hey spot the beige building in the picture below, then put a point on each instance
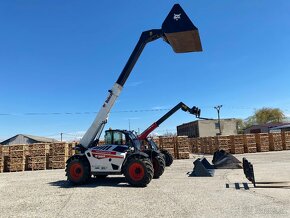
(203, 128)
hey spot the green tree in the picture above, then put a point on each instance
(267, 115)
(240, 126)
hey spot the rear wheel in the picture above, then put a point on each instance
(168, 157)
(158, 165)
(78, 171)
(138, 171)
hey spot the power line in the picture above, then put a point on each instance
(120, 111)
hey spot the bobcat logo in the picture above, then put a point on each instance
(176, 17)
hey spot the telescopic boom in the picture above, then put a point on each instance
(178, 31)
(194, 110)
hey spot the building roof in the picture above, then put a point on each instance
(268, 125)
(35, 138)
(206, 120)
(281, 127)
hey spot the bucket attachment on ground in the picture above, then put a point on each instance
(202, 168)
(249, 171)
(225, 160)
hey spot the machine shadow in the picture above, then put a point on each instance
(282, 185)
(94, 182)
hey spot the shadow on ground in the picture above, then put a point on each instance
(94, 182)
(284, 185)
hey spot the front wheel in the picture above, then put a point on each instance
(78, 171)
(138, 171)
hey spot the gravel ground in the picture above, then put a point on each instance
(48, 194)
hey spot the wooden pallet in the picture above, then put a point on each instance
(275, 142)
(57, 165)
(250, 145)
(237, 144)
(193, 145)
(36, 160)
(262, 142)
(57, 149)
(224, 143)
(285, 140)
(36, 166)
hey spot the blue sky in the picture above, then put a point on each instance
(62, 57)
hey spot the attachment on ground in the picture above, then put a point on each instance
(202, 168)
(249, 171)
(224, 160)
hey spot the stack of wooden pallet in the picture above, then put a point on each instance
(37, 156)
(262, 141)
(275, 142)
(71, 148)
(58, 155)
(237, 144)
(223, 143)
(169, 143)
(16, 160)
(213, 146)
(182, 147)
(193, 145)
(286, 140)
(1, 159)
(205, 145)
(250, 143)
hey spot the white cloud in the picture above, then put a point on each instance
(134, 84)
(159, 107)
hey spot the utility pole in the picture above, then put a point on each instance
(219, 120)
(61, 136)
(129, 125)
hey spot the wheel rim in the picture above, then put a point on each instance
(76, 171)
(136, 171)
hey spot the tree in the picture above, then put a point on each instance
(267, 115)
(240, 126)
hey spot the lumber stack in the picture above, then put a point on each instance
(286, 140)
(182, 147)
(1, 159)
(71, 148)
(58, 155)
(193, 145)
(205, 148)
(224, 143)
(16, 160)
(262, 141)
(212, 143)
(36, 160)
(169, 143)
(250, 143)
(237, 144)
(275, 142)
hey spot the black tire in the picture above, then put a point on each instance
(78, 171)
(168, 157)
(138, 171)
(158, 166)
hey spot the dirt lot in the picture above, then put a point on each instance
(48, 194)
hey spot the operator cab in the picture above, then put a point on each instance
(122, 138)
